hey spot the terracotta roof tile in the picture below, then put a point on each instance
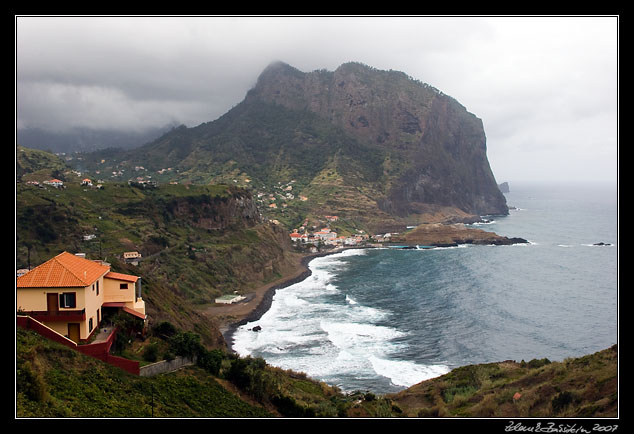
(120, 276)
(64, 270)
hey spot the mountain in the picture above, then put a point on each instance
(433, 151)
(375, 147)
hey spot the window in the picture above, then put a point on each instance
(90, 325)
(123, 286)
(97, 287)
(67, 300)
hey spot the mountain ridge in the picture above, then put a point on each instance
(400, 146)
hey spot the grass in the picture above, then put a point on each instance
(185, 262)
(580, 387)
(55, 381)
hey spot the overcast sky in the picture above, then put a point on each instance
(546, 88)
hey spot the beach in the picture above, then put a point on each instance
(230, 317)
(386, 318)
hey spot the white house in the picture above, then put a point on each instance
(54, 183)
(229, 299)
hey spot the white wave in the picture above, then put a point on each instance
(292, 301)
(350, 300)
(350, 252)
(404, 373)
(358, 336)
(277, 335)
(459, 246)
(488, 222)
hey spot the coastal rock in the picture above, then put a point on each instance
(256, 328)
(443, 235)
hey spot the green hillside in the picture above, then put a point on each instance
(201, 241)
(197, 242)
(576, 387)
(55, 381)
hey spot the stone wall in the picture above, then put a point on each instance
(165, 366)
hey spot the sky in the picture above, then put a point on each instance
(545, 87)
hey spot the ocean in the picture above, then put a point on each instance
(381, 320)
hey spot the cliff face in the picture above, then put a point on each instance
(434, 151)
(216, 212)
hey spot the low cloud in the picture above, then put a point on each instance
(536, 82)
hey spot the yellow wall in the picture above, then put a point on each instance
(34, 299)
(93, 303)
(113, 292)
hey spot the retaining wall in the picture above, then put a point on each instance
(165, 366)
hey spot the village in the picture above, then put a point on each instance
(326, 236)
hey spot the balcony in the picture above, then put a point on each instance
(56, 316)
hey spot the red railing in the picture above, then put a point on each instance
(99, 350)
(53, 316)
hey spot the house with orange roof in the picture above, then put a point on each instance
(68, 293)
(55, 183)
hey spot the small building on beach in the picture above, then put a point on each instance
(229, 299)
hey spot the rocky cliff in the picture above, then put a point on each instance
(216, 212)
(376, 147)
(433, 150)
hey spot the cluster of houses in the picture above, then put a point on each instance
(51, 183)
(57, 183)
(278, 199)
(327, 237)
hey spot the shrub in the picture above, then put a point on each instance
(561, 401)
(186, 344)
(288, 407)
(30, 382)
(538, 363)
(249, 374)
(211, 361)
(165, 328)
(150, 354)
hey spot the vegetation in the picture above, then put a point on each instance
(581, 387)
(197, 242)
(55, 381)
(195, 246)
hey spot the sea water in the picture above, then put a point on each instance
(381, 320)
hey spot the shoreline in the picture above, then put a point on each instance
(267, 298)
